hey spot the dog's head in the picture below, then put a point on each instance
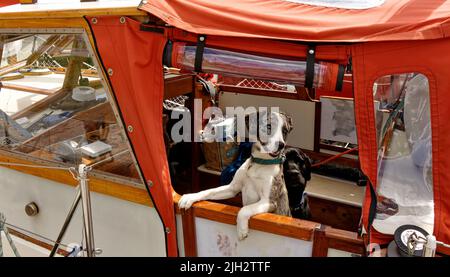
(297, 171)
(297, 167)
(269, 132)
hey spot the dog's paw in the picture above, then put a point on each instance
(187, 200)
(242, 233)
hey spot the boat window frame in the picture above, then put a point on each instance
(425, 72)
(83, 32)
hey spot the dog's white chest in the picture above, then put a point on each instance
(256, 179)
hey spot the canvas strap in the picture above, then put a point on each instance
(310, 63)
(167, 56)
(340, 78)
(199, 53)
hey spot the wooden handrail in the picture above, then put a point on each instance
(267, 222)
(327, 237)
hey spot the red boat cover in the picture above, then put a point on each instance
(135, 58)
(373, 60)
(4, 3)
(282, 19)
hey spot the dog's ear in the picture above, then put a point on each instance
(306, 166)
(290, 154)
(289, 121)
(301, 159)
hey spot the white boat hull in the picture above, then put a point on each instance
(121, 228)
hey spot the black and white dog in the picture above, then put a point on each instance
(260, 178)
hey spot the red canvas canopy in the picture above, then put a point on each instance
(400, 36)
(4, 3)
(286, 20)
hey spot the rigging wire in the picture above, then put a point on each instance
(12, 226)
(35, 166)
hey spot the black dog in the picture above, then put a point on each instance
(297, 172)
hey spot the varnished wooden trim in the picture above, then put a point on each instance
(327, 237)
(124, 191)
(12, 67)
(178, 85)
(189, 233)
(270, 223)
(320, 242)
(49, 22)
(118, 11)
(36, 242)
(345, 241)
(84, 72)
(27, 89)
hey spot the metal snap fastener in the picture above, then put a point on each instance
(31, 209)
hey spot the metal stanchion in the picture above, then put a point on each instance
(87, 209)
(83, 194)
(4, 229)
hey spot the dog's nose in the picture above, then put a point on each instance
(281, 146)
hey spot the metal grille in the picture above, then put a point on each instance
(267, 85)
(174, 103)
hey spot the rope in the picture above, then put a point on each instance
(334, 157)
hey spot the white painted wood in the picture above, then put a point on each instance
(25, 248)
(302, 113)
(220, 240)
(121, 228)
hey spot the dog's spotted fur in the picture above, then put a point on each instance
(262, 185)
(279, 196)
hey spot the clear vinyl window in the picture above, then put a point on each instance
(405, 181)
(54, 108)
